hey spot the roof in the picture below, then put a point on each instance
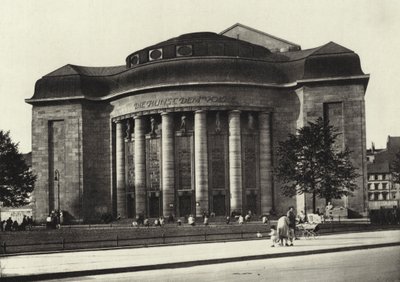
(89, 71)
(380, 163)
(252, 35)
(384, 158)
(206, 58)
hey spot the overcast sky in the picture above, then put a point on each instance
(37, 37)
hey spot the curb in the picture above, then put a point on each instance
(72, 274)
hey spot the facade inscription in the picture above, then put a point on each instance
(169, 102)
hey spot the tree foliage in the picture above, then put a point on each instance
(16, 180)
(395, 168)
(308, 162)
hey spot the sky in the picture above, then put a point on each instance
(37, 37)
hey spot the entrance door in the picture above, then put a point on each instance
(154, 206)
(130, 205)
(185, 205)
(251, 201)
(219, 205)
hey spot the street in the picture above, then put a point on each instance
(242, 260)
(361, 265)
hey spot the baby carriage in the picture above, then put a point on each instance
(310, 229)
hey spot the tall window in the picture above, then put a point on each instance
(333, 112)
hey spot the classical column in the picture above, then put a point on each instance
(235, 161)
(265, 163)
(140, 166)
(120, 169)
(201, 162)
(168, 163)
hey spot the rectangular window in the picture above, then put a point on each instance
(333, 112)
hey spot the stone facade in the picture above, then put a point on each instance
(382, 190)
(57, 145)
(188, 126)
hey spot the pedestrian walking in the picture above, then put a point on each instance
(292, 224)
(283, 230)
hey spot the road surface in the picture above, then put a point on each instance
(361, 265)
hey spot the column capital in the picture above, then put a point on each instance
(200, 111)
(165, 113)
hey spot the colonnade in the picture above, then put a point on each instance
(201, 189)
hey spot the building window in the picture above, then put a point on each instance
(135, 59)
(334, 113)
(370, 187)
(376, 186)
(184, 50)
(384, 177)
(393, 195)
(155, 54)
(376, 177)
(386, 196)
(384, 185)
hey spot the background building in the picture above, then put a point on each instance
(382, 191)
(190, 125)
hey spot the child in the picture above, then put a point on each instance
(274, 236)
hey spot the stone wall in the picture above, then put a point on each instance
(97, 180)
(284, 122)
(56, 144)
(351, 95)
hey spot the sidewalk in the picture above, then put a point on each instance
(74, 264)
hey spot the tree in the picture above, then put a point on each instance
(308, 162)
(395, 168)
(16, 180)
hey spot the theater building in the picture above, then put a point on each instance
(189, 125)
